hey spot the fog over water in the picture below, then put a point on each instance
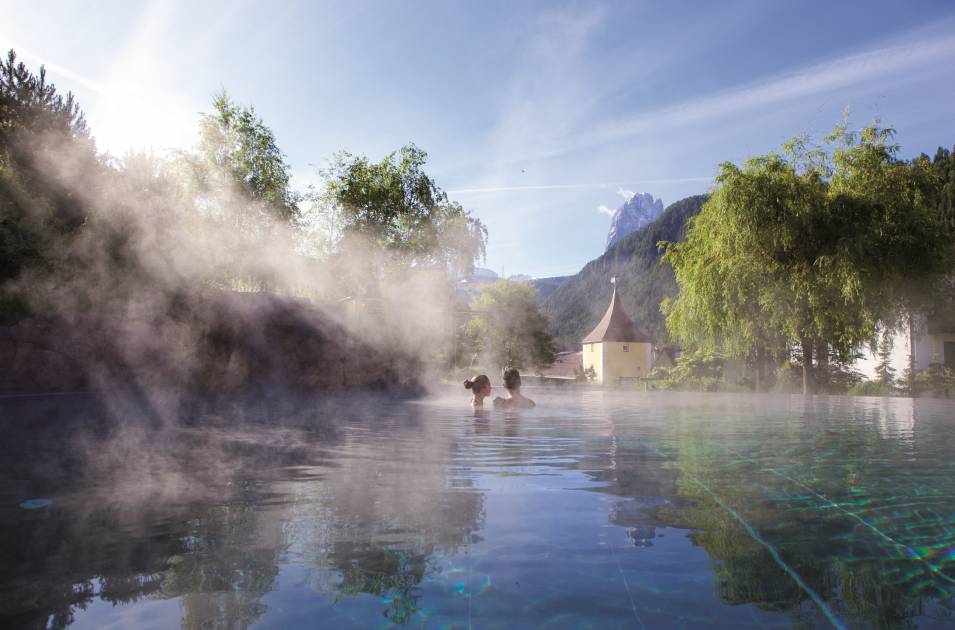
(224, 402)
(613, 509)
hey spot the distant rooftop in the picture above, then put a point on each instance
(565, 365)
(616, 325)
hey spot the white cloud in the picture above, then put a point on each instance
(873, 66)
(627, 195)
(826, 77)
(605, 210)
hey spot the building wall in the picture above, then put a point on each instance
(611, 363)
(635, 363)
(593, 357)
(931, 349)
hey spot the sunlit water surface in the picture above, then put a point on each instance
(595, 510)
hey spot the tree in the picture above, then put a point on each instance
(239, 171)
(396, 215)
(701, 370)
(936, 380)
(721, 296)
(40, 130)
(760, 276)
(935, 294)
(238, 181)
(884, 372)
(509, 329)
(910, 255)
(811, 246)
(45, 147)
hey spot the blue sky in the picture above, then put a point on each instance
(535, 114)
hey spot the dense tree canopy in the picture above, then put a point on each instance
(227, 206)
(44, 143)
(816, 246)
(238, 173)
(394, 207)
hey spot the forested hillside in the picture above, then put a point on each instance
(546, 286)
(578, 303)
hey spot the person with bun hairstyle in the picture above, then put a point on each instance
(480, 387)
(515, 400)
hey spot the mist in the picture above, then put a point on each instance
(155, 282)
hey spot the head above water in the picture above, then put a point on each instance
(478, 384)
(512, 378)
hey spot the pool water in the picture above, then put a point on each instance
(598, 509)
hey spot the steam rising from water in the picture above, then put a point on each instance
(175, 288)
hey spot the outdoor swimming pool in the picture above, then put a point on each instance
(595, 510)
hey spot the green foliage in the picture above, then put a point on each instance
(700, 370)
(942, 196)
(904, 236)
(811, 246)
(239, 157)
(871, 388)
(43, 138)
(76, 220)
(837, 376)
(238, 182)
(509, 328)
(885, 373)
(397, 210)
(29, 103)
(695, 366)
(938, 381)
(576, 306)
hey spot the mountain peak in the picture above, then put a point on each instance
(637, 212)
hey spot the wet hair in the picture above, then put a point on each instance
(479, 382)
(512, 378)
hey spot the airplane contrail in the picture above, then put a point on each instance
(494, 189)
(58, 70)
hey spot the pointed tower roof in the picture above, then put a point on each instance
(616, 325)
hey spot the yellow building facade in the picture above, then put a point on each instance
(617, 350)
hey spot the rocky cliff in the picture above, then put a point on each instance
(638, 212)
(209, 342)
(577, 304)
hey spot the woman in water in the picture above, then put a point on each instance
(515, 399)
(480, 387)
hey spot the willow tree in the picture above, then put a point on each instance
(722, 292)
(761, 265)
(910, 231)
(809, 246)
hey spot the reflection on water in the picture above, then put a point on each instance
(594, 510)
